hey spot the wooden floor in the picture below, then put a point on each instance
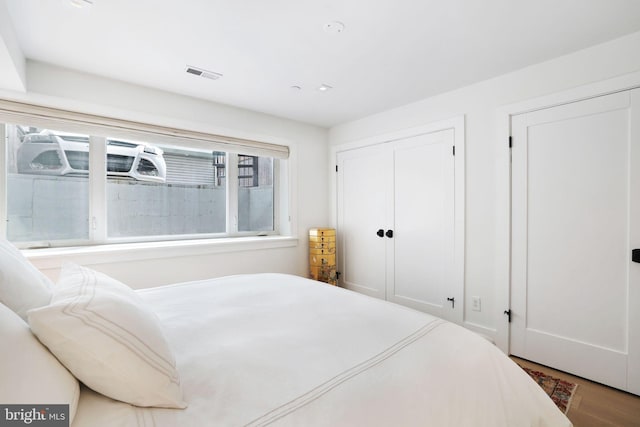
(594, 404)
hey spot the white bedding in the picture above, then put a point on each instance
(274, 349)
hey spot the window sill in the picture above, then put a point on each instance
(125, 252)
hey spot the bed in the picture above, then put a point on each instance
(281, 350)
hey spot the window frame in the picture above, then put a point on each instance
(102, 128)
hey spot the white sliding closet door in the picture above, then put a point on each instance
(575, 292)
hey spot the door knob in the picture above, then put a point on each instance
(380, 233)
(389, 233)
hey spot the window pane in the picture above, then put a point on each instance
(156, 190)
(47, 184)
(255, 193)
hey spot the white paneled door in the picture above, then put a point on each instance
(421, 265)
(396, 222)
(363, 219)
(575, 291)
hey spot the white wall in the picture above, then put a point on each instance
(12, 60)
(479, 104)
(62, 88)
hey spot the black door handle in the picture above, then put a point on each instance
(380, 233)
(635, 255)
(389, 233)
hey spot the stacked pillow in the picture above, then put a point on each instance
(22, 286)
(97, 327)
(30, 373)
(103, 333)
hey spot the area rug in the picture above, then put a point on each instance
(559, 391)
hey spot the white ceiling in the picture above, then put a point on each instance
(392, 52)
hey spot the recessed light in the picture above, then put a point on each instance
(81, 3)
(324, 88)
(335, 27)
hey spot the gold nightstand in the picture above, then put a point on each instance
(322, 255)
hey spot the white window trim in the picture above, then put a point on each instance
(51, 258)
(232, 196)
(98, 190)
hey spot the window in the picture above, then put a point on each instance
(255, 193)
(178, 192)
(82, 188)
(47, 185)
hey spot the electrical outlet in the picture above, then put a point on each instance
(475, 303)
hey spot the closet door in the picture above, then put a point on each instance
(575, 296)
(363, 179)
(421, 264)
(396, 223)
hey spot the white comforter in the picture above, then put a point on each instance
(274, 349)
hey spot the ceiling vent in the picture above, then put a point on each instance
(203, 73)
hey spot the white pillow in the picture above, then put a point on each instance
(28, 372)
(103, 333)
(22, 286)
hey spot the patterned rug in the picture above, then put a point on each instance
(559, 391)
